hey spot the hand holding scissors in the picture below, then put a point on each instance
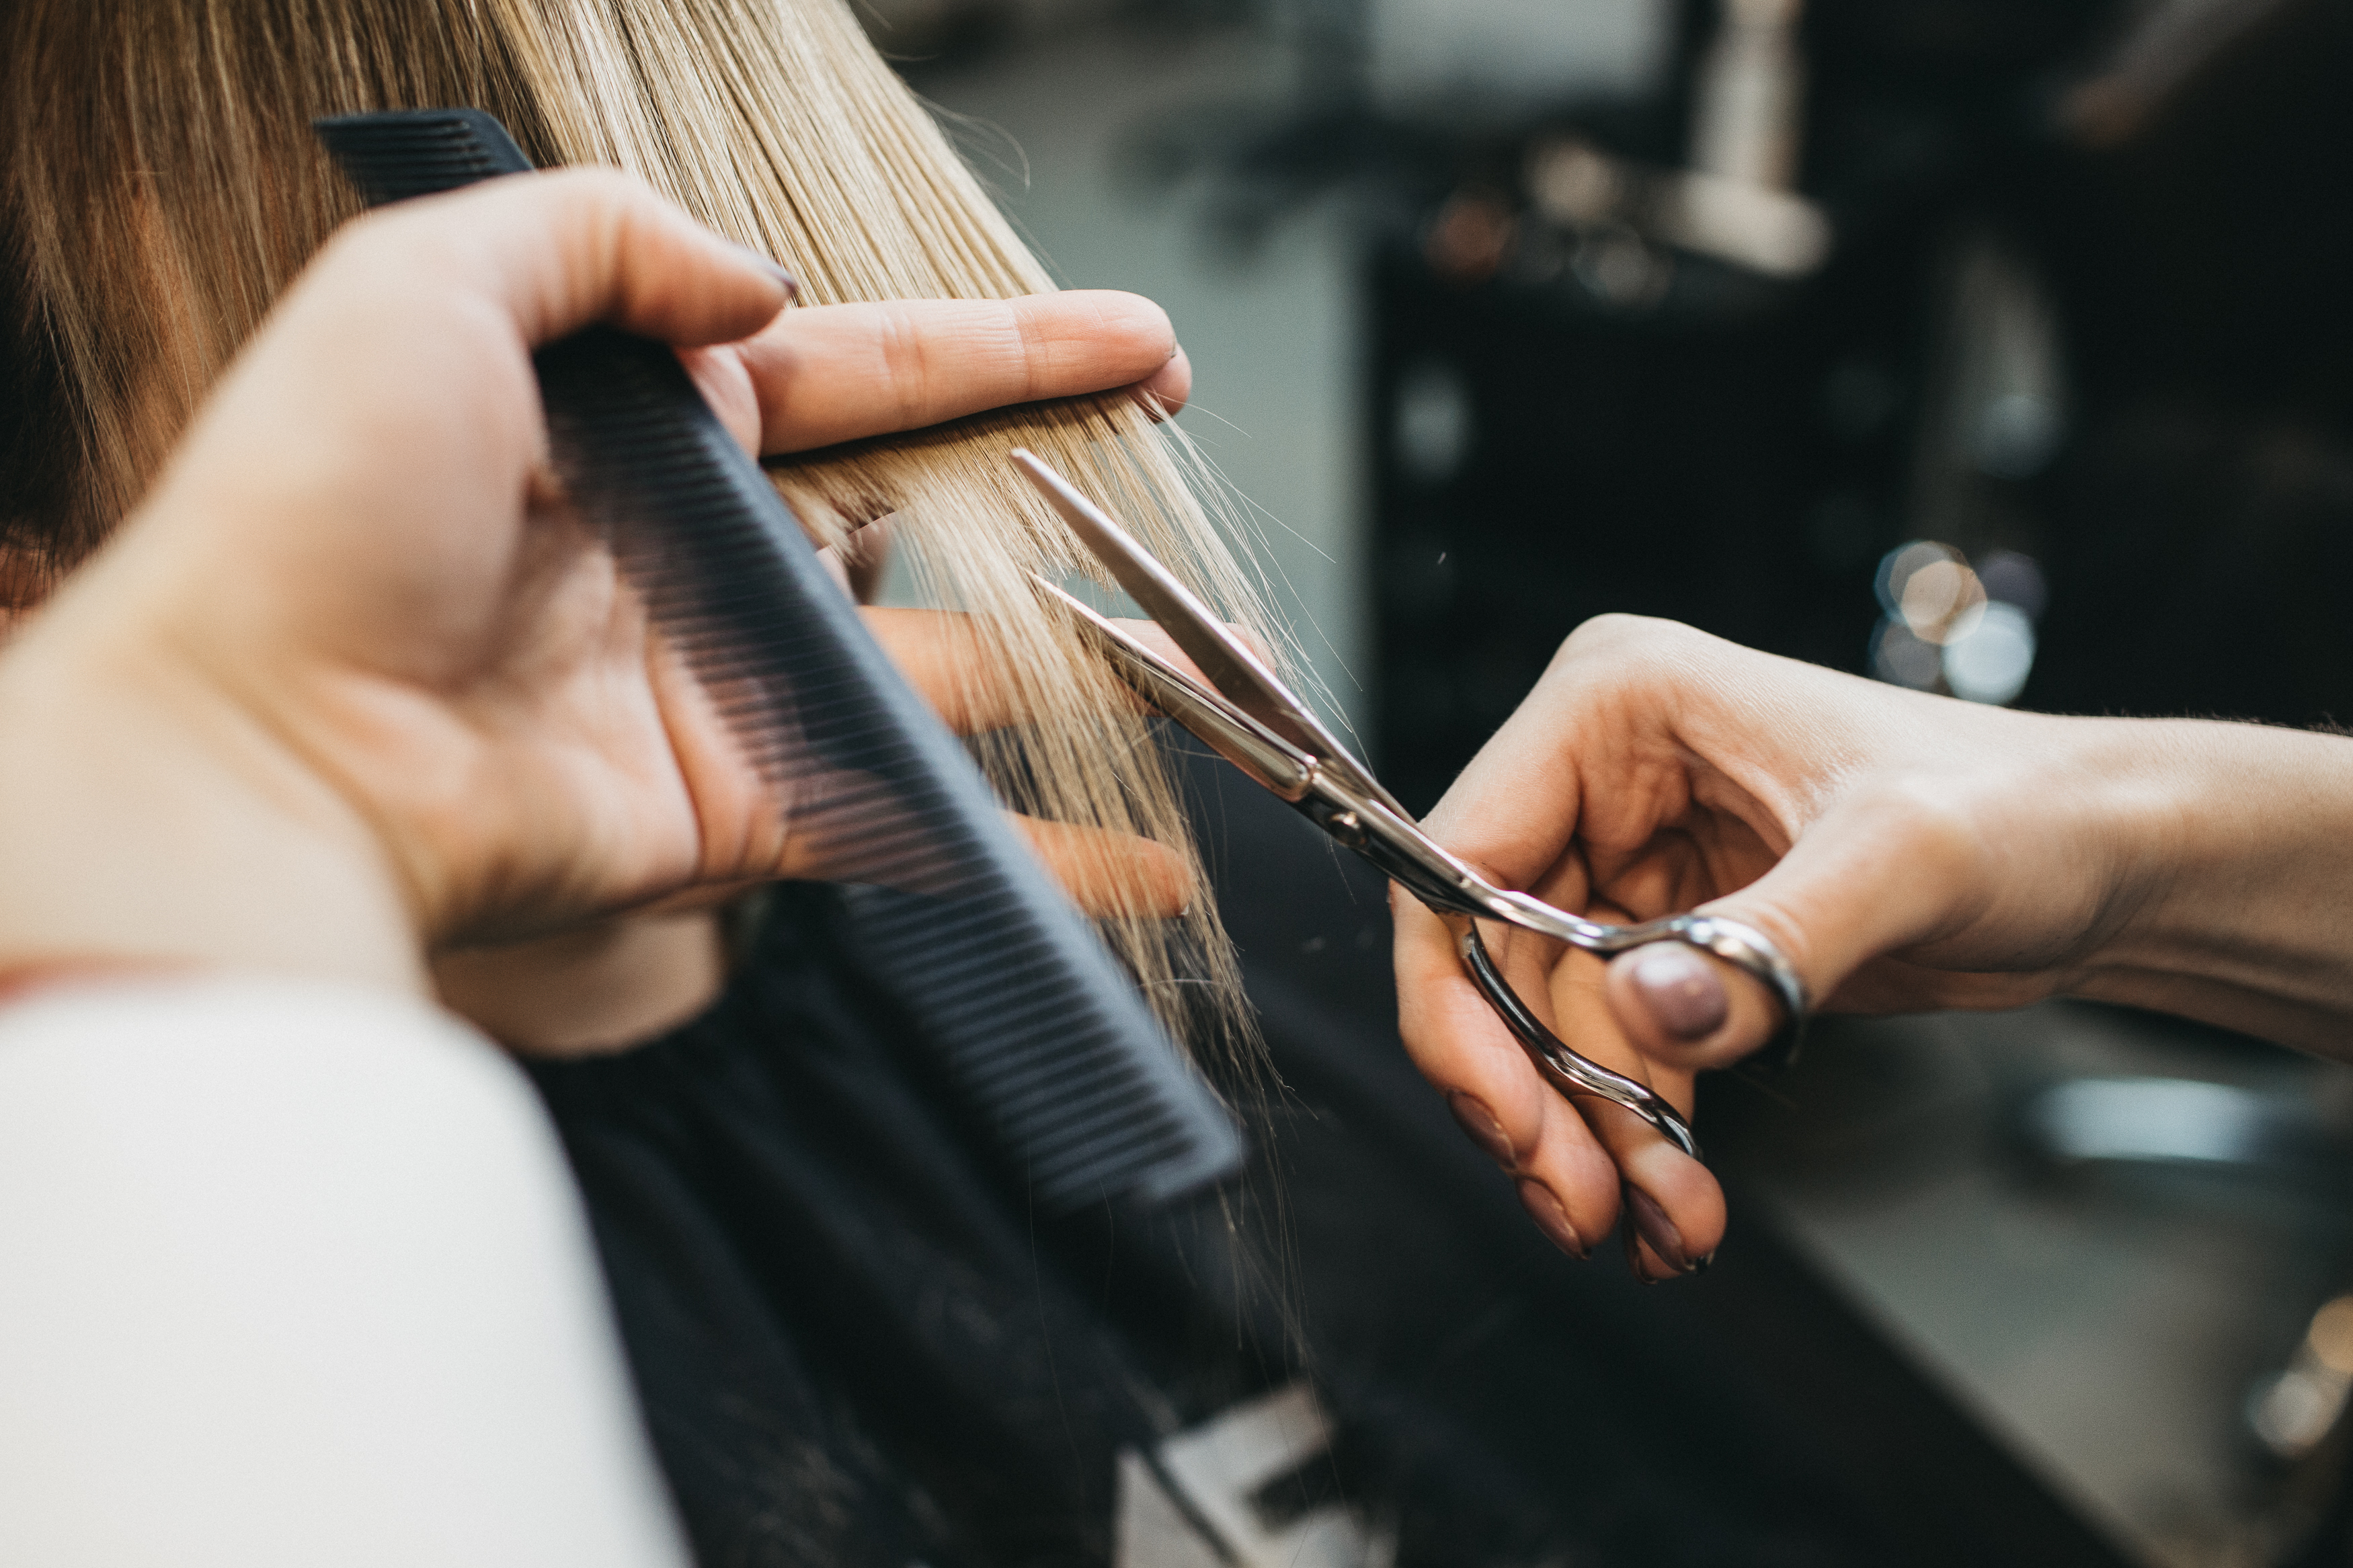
(1246, 715)
(1906, 852)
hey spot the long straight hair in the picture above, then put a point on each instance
(163, 186)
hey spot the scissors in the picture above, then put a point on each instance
(1252, 721)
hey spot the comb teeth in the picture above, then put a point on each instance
(1087, 1098)
(1034, 1028)
(420, 151)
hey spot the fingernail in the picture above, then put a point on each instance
(1552, 1219)
(1634, 1261)
(1682, 991)
(792, 285)
(1659, 1231)
(1473, 1115)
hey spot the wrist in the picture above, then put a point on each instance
(147, 823)
(2233, 845)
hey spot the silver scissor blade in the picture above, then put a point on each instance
(1233, 734)
(1208, 641)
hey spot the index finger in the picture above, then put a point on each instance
(829, 374)
(1593, 755)
(1514, 810)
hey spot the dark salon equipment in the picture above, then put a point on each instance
(2077, 312)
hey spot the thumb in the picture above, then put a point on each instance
(1870, 876)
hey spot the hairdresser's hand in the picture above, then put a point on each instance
(352, 682)
(1906, 851)
(831, 373)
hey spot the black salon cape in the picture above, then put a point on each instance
(854, 1344)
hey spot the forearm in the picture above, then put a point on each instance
(2234, 851)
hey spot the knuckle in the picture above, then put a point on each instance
(1645, 638)
(597, 182)
(905, 360)
(611, 205)
(1033, 346)
(1625, 653)
(1611, 626)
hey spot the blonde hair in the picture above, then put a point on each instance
(163, 185)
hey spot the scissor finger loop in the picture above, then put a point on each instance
(1576, 1076)
(1737, 944)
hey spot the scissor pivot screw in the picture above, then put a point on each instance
(1344, 826)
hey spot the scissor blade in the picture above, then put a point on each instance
(1228, 662)
(1234, 735)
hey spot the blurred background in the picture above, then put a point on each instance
(2001, 348)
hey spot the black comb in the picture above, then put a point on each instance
(1034, 1027)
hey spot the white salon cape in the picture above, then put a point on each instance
(295, 1274)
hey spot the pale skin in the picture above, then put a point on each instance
(326, 706)
(810, 378)
(1908, 852)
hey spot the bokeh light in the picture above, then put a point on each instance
(1991, 662)
(1953, 628)
(1929, 586)
(1901, 658)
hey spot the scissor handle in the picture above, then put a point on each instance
(1576, 1076)
(1449, 886)
(1741, 945)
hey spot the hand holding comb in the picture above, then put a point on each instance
(1033, 1027)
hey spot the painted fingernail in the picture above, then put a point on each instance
(1682, 991)
(1657, 1229)
(1475, 1119)
(1636, 1264)
(1552, 1219)
(792, 285)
